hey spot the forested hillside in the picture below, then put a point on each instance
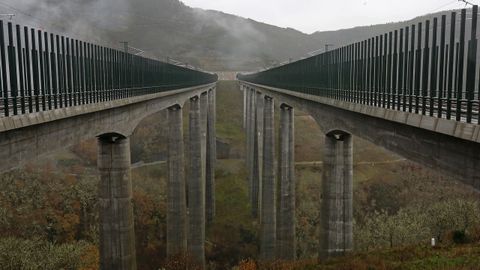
(167, 28)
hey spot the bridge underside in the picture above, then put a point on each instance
(419, 138)
(28, 137)
(445, 145)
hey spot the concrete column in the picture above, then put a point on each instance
(258, 154)
(203, 125)
(247, 128)
(176, 198)
(337, 193)
(286, 216)
(348, 191)
(339, 203)
(243, 89)
(251, 142)
(196, 186)
(211, 157)
(117, 235)
(328, 199)
(268, 219)
(247, 142)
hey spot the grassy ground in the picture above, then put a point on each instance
(230, 116)
(407, 258)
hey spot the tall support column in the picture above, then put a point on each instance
(211, 157)
(348, 191)
(286, 216)
(337, 193)
(244, 91)
(203, 128)
(328, 199)
(268, 211)
(196, 186)
(117, 235)
(247, 137)
(258, 154)
(247, 126)
(176, 197)
(251, 143)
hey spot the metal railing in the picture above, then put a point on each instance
(42, 71)
(421, 68)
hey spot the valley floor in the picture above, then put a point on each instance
(453, 257)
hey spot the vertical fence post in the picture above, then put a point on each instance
(442, 72)
(6, 104)
(75, 72)
(396, 67)
(471, 65)
(69, 83)
(451, 64)
(386, 69)
(460, 66)
(418, 68)
(434, 68)
(42, 58)
(50, 82)
(28, 70)
(425, 67)
(56, 87)
(36, 72)
(21, 77)
(400, 84)
(12, 69)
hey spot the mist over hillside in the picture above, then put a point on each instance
(165, 29)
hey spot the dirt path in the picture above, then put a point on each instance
(142, 164)
(372, 163)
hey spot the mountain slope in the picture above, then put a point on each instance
(168, 28)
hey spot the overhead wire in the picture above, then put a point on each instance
(445, 5)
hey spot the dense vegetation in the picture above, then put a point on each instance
(48, 216)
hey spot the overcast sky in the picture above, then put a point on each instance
(319, 15)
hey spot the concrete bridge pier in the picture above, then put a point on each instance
(117, 236)
(176, 194)
(286, 215)
(257, 154)
(336, 215)
(203, 129)
(211, 157)
(251, 147)
(243, 88)
(268, 202)
(246, 112)
(247, 127)
(196, 186)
